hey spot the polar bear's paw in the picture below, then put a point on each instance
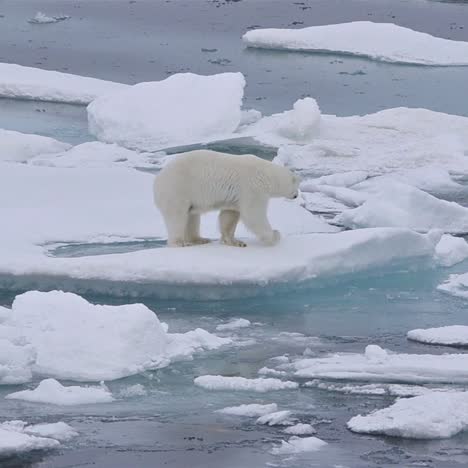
(198, 241)
(233, 242)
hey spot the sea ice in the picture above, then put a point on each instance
(218, 382)
(298, 445)
(377, 364)
(163, 114)
(385, 42)
(234, 324)
(300, 429)
(53, 392)
(454, 335)
(451, 250)
(42, 18)
(21, 82)
(278, 418)
(250, 410)
(16, 359)
(436, 415)
(21, 147)
(456, 285)
(59, 431)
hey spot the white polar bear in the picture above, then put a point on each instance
(239, 186)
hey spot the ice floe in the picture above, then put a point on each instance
(278, 418)
(234, 324)
(436, 415)
(53, 392)
(21, 147)
(249, 410)
(296, 445)
(300, 429)
(385, 42)
(219, 382)
(59, 430)
(21, 82)
(451, 250)
(42, 18)
(163, 114)
(453, 335)
(377, 364)
(456, 285)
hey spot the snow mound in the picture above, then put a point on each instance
(21, 82)
(455, 335)
(436, 415)
(180, 110)
(234, 324)
(278, 418)
(391, 140)
(393, 204)
(218, 382)
(451, 250)
(53, 392)
(252, 410)
(42, 18)
(21, 147)
(298, 445)
(456, 285)
(300, 429)
(377, 364)
(384, 42)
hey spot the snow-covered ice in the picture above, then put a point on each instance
(163, 114)
(436, 415)
(455, 285)
(42, 18)
(59, 431)
(451, 250)
(16, 359)
(234, 324)
(21, 147)
(53, 392)
(453, 335)
(249, 410)
(385, 42)
(278, 418)
(298, 445)
(377, 364)
(300, 429)
(219, 382)
(21, 82)
(132, 391)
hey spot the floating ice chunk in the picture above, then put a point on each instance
(391, 140)
(400, 205)
(375, 365)
(59, 431)
(268, 371)
(97, 154)
(53, 392)
(21, 82)
(278, 418)
(20, 147)
(436, 415)
(234, 324)
(250, 116)
(42, 18)
(133, 391)
(366, 39)
(299, 125)
(15, 358)
(455, 335)
(298, 445)
(157, 115)
(451, 250)
(14, 440)
(252, 410)
(300, 429)
(456, 285)
(218, 382)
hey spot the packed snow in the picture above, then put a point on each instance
(455, 285)
(300, 429)
(219, 382)
(21, 82)
(162, 114)
(53, 392)
(250, 410)
(21, 147)
(234, 324)
(436, 415)
(384, 42)
(62, 335)
(451, 250)
(377, 364)
(454, 335)
(42, 18)
(297, 445)
(278, 418)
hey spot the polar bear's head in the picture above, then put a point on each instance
(288, 183)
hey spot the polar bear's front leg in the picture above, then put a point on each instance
(253, 214)
(192, 232)
(228, 220)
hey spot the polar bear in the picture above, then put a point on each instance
(238, 186)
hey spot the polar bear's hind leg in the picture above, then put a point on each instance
(228, 220)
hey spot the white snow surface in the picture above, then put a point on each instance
(21, 147)
(385, 42)
(234, 324)
(300, 429)
(53, 392)
(436, 415)
(278, 418)
(451, 250)
(183, 109)
(249, 410)
(298, 445)
(455, 285)
(219, 382)
(61, 335)
(379, 365)
(59, 431)
(21, 82)
(453, 335)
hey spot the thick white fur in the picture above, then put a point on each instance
(238, 186)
